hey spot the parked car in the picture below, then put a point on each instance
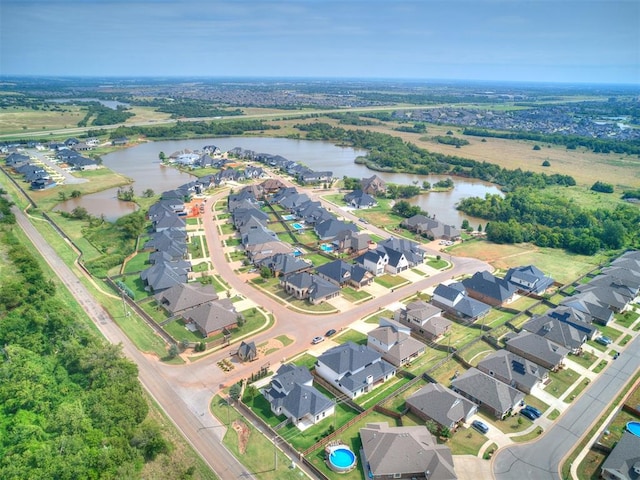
(533, 410)
(528, 413)
(317, 340)
(604, 341)
(330, 333)
(480, 426)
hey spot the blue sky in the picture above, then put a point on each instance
(586, 41)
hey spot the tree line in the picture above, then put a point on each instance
(552, 221)
(596, 145)
(192, 129)
(392, 154)
(71, 406)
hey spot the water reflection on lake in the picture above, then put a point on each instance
(141, 163)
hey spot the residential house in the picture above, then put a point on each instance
(285, 264)
(557, 331)
(169, 220)
(442, 405)
(374, 261)
(431, 228)
(330, 229)
(395, 343)
(373, 185)
(119, 141)
(409, 452)
(601, 301)
(453, 299)
(354, 369)
(272, 185)
(161, 276)
(292, 394)
(351, 242)
(538, 349)
(358, 199)
(529, 279)
(311, 177)
(414, 254)
(489, 289)
(623, 463)
(514, 370)
(184, 296)
(305, 286)
(341, 273)
(424, 319)
(492, 395)
(247, 352)
(579, 319)
(42, 184)
(213, 317)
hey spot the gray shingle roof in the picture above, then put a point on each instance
(441, 404)
(494, 393)
(405, 450)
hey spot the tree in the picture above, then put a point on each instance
(62, 196)
(536, 147)
(148, 193)
(480, 228)
(76, 194)
(546, 163)
(162, 156)
(235, 390)
(465, 224)
(173, 351)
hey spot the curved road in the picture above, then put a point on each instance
(185, 391)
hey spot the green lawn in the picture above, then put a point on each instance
(586, 359)
(523, 303)
(390, 281)
(305, 360)
(466, 441)
(447, 371)
(381, 392)
(354, 295)
(608, 331)
(426, 361)
(495, 318)
(375, 318)
(459, 335)
(350, 335)
(512, 424)
(477, 352)
(437, 264)
(398, 403)
(138, 263)
(561, 381)
(627, 318)
(350, 437)
(179, 332)
(136, 285)
(259, 456)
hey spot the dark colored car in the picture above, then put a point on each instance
(330, 333)
(480, 426)
(528, 413)
(604, 341)
(534, 410)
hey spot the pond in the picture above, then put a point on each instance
(142, 164)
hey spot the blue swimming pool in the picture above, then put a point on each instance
(341, 459)
(297, 226)
(288, 217)
(325, 247)
(634, 427)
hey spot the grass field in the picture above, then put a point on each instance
(562, 266)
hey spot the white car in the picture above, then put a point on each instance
(317, 340)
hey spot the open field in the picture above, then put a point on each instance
(22, 119)
(585, 166)
(562, 266)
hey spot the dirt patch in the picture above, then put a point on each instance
(242, 430)
(270, 346)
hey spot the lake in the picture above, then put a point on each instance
(142, 164)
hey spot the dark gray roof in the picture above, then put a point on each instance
(557, 331)
(488, 390)
(348, 357)
(337, 271)
(406, 451)
(304, 400)
(529, 278)
(288, 376)
(285, 263)
(489, 285)
(441, 404)
(513, 368)
(185, 295)
(624, 459)
(538, 347)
